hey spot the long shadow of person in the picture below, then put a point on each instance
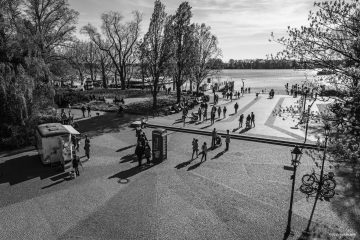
(128, 158)
(244, 130)
(126, 174)
(183, 164)
(218, 155)
(194, 166)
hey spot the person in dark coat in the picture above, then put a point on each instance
(236, 106)
(83, 109)
(87, 147)
(147, 152)
(139, 151)
(241, 120)
(252, 119)
(89, 111)
(219, 111)
(213, 138)
(75, 163)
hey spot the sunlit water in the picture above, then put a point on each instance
(265, 79)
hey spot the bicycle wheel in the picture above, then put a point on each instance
(308, 179)
(306, 189)
(329, 184)
(327, 193)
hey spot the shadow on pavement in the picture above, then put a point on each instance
(194, 166)
(24, 168)
(126, 174)
(107, 123)
(125, 148)
(244, 130)
(127, 158)
(219, 154)
(183, 164)
(206, 126)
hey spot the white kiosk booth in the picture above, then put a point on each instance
(53, 141)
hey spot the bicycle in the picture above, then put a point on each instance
(311, 184)
(328, 180)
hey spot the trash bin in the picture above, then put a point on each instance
(159, 145)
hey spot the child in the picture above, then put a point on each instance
(147, 152)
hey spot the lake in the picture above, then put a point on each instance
(258, 79)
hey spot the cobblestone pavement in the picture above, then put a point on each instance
(239, 194)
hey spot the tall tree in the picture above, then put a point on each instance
(48, 24)
(181, 31)
(332, 41)
(156, 47)
(205, 48)
(121, 38)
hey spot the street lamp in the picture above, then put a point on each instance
(296, 154)
(327, 130)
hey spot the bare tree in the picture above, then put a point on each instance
(205, 49)
(181, 32)
(156, 50)
(121, 38)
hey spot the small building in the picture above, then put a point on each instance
(53, 142)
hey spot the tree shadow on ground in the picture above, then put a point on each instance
(127, 158)
(219, 155)
(125, 148)
(183, 164)
(232, 114)
(126, 174)
(24, 168)
(347, 205)
(107, 123)
(194, 166)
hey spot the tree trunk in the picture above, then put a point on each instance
(191, 85)
(155, 92)
(197, 87)
(103, 73)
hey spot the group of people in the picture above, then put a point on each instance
(67, 119)
(250, 120)
(215, 141)
(142, 147)
(83, 109)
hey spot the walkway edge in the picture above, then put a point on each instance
(238, 137)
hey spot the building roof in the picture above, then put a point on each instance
(52, 129)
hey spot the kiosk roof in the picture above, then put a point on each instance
(52, 129)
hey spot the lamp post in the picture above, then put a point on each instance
(296, 154)
(318, 192)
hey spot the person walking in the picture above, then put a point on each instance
(224, 111)
(87, 147)
(195, 147)
(236, 106)
(184, 119)
(227, 140)
(212, 117)
(213, 138)
(219, 112)
(241, 120)
(231, 96)
(83, 109)
(199, 114)
(248, 120)
(147, 152)
(75, 164)
(205, 115)
(252, 119)
(89, 111)
(204, 151)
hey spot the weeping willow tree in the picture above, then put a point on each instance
(31, 31)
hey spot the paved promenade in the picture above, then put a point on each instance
(267, 123)
(239, 194)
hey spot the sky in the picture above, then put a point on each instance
(243, 27)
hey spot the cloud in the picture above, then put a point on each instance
(243, 27)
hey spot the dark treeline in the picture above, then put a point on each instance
(263, 64)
